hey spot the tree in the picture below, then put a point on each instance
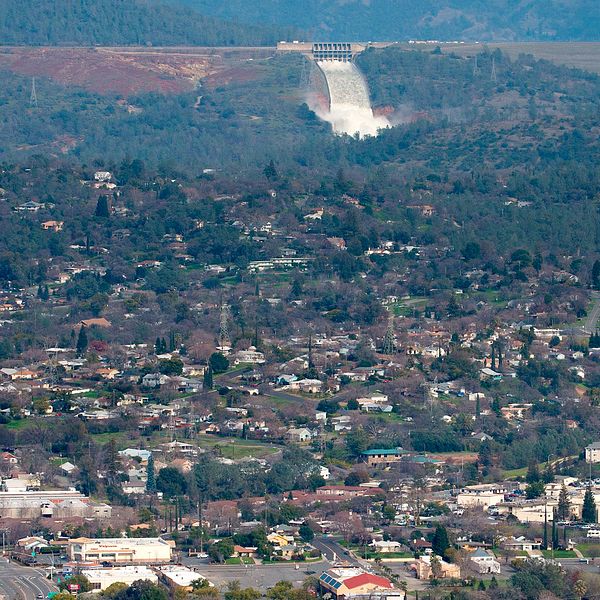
(596, 275)
(440, 542)
(218, 362)
(142, 590)
(208, 378)
(171, 482)
(151, 477)
(80, 580)
(103, 207)
(563, 509)
(306, 533)
(270, 171)
(82, 341)
(533, 473)
(588, 512)
(171, 366)
(222, 550)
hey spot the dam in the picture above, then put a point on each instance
(349, 106)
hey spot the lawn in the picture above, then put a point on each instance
(19, 424)
(589, 550)
(559, 554)
(235, 448)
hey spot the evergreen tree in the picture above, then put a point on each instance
(493, 583)
(596, 275)
(563, 510)
(157, 346)
(208, 378)
(477, 407)
(440, 542)
(82, 341)
(588, 512)
(270, 171)
(151, 477)
(103, 207)
(533, 473)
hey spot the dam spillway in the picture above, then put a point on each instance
(349, 103)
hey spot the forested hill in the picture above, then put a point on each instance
(123, 22)
(486, 20)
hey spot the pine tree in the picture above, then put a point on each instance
(103, 207)
(270, 171)
(440, 542)
(208, 379)
(533, 473)
(477, 407)
(157, 346)
(588, 512)
(493, 583)
(151, 477)
(82, 341)
(563, 510)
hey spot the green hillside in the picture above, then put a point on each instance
(421, 19)
(121, 22)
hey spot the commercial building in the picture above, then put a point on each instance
(49, 504)
(121, 550)
(100, 579)
(178, 577)
(344, 583)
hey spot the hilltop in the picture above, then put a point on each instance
(495, 20)
(122, 22)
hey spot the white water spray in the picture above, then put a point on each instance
(350, 108)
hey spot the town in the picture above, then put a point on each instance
(274, 389)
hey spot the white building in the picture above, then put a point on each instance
(252, 355)
(120, 550)
(176, 576)
(484, 562)
(592, 453)
(100, 579)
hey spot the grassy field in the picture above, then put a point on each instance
(559, 554)
(581, 55)
(238, 449)
(589, 550)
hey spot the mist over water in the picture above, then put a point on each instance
(350, 109)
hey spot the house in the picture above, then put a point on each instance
(134, 487)
(52, 225)
(426, 565)
(68, 467)
(592, 453)
(308, 386)
(351, 582)
(154, 380)
(252, 356)
(484, 562)
(520, 544)
(96, 322)
(102, 176)
(299, 435)
(385, 547)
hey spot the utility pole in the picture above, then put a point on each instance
(493, 75)
(33, 101)
(389, 340)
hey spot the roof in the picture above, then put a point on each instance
(365, 578)
(376, 451)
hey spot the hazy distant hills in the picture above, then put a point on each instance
(122, 22)
(497, 20)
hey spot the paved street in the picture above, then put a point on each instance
(22, 583)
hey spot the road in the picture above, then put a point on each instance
(23, 583)
(591, 321)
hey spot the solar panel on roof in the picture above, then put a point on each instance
(337, 584)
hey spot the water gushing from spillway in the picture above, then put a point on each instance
(350, 108)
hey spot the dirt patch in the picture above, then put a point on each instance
(105, 70)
